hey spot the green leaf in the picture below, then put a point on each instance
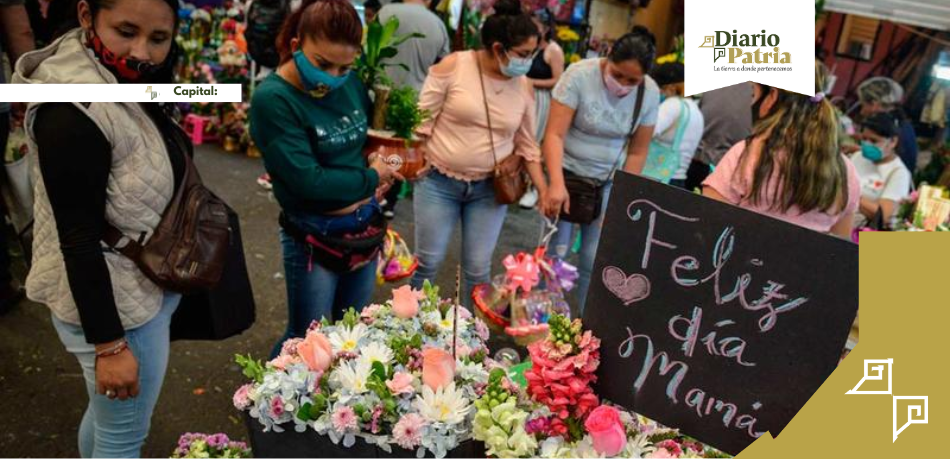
(304, 412)
(389, 29)
(379, 370)
(403, 38)
(388, 53)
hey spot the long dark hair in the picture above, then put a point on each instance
(333, 20)
(801, 149)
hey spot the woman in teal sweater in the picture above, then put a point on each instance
(309, 118)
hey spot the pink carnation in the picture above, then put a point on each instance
(344, 419)
(671, 449)
(407, 433)
(241, 397)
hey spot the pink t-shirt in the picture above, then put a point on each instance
(457, 140)
(735, 187)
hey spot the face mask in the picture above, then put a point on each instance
(317, 82)
(615, 88)
(871, 152)
(662, 97)
(126, 69)
(517, 66)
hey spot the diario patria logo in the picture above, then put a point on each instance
(760, 48)
(731, 42)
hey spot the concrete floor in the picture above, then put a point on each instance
(43, 394)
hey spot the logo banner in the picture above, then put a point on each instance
(766, 41)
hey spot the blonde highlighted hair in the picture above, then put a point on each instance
(801, 150)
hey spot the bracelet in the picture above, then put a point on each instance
(116, 349)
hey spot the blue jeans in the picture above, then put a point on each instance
(439, 202)
(590, 237)
(314, 292)
(115, 428)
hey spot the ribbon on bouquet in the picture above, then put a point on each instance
(523, 271)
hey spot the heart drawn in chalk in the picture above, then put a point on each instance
(629, 289)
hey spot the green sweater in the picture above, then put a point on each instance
(313, 148)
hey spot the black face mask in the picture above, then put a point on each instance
(757, 105)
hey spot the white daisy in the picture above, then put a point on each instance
(348, 339)
(352, 376)
(376, 352)
(446, 405)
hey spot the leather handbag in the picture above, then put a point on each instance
(509, 181)
(189, 247)
(587, 194)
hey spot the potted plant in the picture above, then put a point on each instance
(398, 143)
(380, 47)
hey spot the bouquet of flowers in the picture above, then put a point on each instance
(559, 415)
(404, 374)
(926, 209)
(204, 445)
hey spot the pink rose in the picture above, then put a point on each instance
(242, 398)
(400, 384)
(606, 430)
(316, 352)
(281, 362)
(667, 449)
(438, 368)
(405, 302)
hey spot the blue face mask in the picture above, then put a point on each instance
(517, 66)
(317, 82)
(662, 97)
(872, 152)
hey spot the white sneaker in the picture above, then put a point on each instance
(530, 199)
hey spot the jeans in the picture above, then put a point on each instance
(314, 292)
(115, 428)
(590, 237)
(439, 202)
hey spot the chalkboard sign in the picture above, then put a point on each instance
(715, 320)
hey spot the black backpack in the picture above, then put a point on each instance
(264, 21)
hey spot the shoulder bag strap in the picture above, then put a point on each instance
(634, 123)
(491, 135)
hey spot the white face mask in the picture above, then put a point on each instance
(615, 88)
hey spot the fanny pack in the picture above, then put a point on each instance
(341, 252)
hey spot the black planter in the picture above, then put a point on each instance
(290, 443)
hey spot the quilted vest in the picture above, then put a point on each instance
(141, 184)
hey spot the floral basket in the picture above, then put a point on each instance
(396, 261)
(397, 376)
(520, 302)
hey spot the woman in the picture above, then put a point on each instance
(885, 180)
(884, 95)
(309, 118)
(679, 128)
(790, 168)
(592, 132)
(546, 69)
(465, 93)
(99, 164)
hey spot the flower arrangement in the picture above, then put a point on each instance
(676, 55)
(403, 374)
(558, 415)
(204, 445)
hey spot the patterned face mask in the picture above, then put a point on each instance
(126, 69)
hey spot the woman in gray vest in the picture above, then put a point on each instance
(99, 164)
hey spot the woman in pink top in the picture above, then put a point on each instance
(462, 153)
(790, 168)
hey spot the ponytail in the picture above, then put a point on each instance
(332, 20)
(801, 150)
